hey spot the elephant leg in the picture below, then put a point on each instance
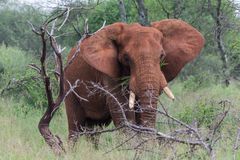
(119, 110)
(76, 118)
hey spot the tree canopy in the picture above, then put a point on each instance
(215, 19)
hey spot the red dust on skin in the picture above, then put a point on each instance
(128, 50)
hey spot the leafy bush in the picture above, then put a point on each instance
(202, 73)
(14, 29)
(18, 80)
(198, 81)
(1, 68)
(203, 113)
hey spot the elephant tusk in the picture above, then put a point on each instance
(131, 100)
(169, 93)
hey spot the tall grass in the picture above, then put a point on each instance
(20, 139)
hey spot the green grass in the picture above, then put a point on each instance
(20, 139)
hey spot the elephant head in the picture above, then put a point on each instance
(131, 49)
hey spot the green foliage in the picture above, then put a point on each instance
(1, 69)
(203, 72)
(203, 113)
(233, 39)
(108, 12)
(14, 29)
(124, 81)
(198, 81)
(18, 80)
(14, 61)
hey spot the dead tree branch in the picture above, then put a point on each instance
(53, 104)
(52, 140)
(199, 140)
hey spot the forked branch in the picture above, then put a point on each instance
(53, 104)
(52, 140)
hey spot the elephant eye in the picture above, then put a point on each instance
(126, 59)
(162, 55)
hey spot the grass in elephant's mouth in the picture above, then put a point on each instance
(124, 81)
(20, 139)
(162, 63)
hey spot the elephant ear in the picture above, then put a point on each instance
(100, 51)
(181, 43)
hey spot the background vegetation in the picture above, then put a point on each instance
(213, 77)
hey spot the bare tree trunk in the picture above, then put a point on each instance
(217, 16)
(142, 13)
(122, 11)
(220, 43)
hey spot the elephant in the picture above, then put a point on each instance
(132, 50)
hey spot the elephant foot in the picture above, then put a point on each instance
(72, 140)
(94, 139)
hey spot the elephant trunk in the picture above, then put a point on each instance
(148, 82)
(148, 101)
(150, 86)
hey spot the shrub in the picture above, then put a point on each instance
(202, 73)
(1, 69)
(203, 113)
(18, 80)
(197, 81)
